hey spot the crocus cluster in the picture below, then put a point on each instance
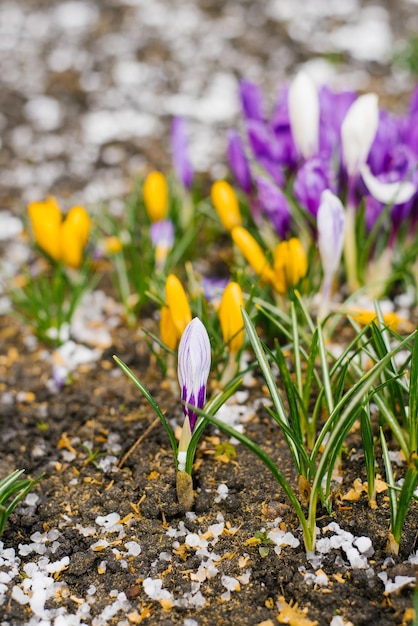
(289, 257)
(63, 240)
(316, 140)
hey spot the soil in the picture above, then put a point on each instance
(46, 432)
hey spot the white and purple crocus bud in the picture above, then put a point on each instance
(331, 226)
(194, 358)
(358, 131)
(179, 148)
(304, 115)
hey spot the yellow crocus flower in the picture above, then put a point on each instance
(63, 241)
(155, 194)
(252, 253)
(290, 264)
(177, 303)
(45, 218)
(226, 204)
(230, 317)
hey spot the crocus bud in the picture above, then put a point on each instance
(251, 100)
(331, 226)
(290, 264)
(194, 360)
(239, 162)
(176, 301)
(358, 131)
(230, 317)
(252, 253)
(179, 148)
(274, 205)
(304, 115)
(226, 204)
(45, 218)
(155, 194)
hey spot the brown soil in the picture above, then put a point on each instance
(43, 431)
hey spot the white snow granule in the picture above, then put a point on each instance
(133, 548)
(194, 541)
(222, 491)
(58, 566)
(19, 595)
(398, 583)
(153, 589)
(364, 545)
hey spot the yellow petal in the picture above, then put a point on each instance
(177, 302)
(393, 320)
(230, 316)
(71, 245)
(45, 218)
(168, 332)
(290, 264)
(155, 194)
(252, 253)
(226, 204)
(79, 220)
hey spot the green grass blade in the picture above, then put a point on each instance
(369, 452)
(393, 499)
(270, 382)
(412, 420)
(404, 502)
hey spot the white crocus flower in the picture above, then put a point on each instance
(358, 131)
(397, 192)
(331, 226)
(193, 370)
(304, 114)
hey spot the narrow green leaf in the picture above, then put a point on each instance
(413, 399)
(393, 499)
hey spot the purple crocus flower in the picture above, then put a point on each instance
(262, 141)
(238, 161)
(194, 360)
(251, 100)
(280, 125)
(310, 181)
(333, 108)
(274, 204)
(179, 147)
